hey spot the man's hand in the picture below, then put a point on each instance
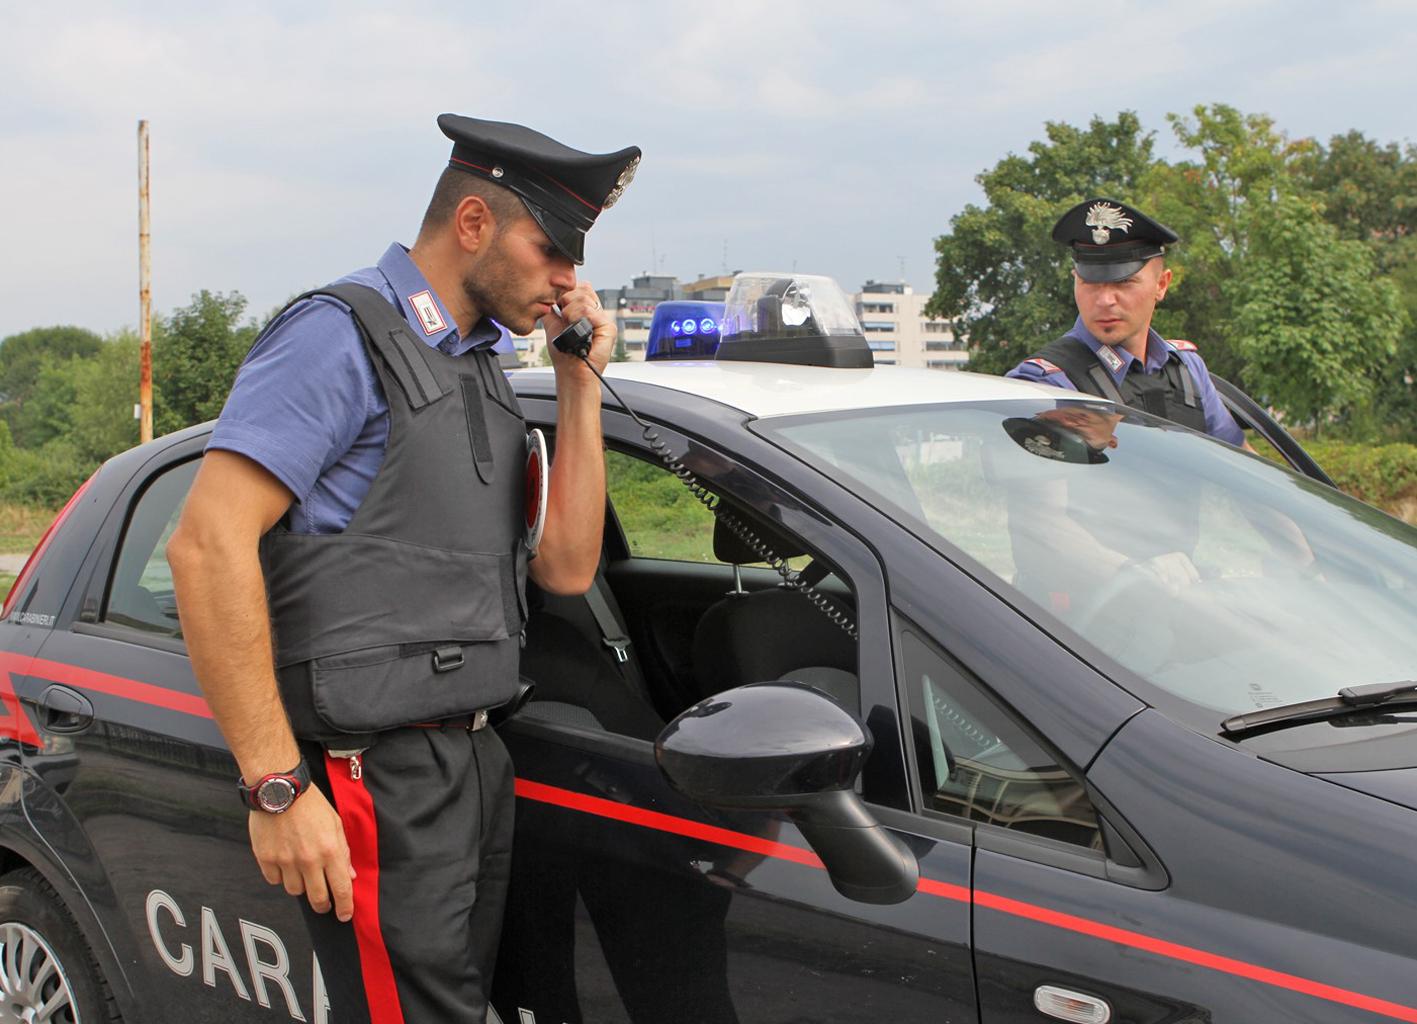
(1174, 569)
(304, 850)
(581, 301)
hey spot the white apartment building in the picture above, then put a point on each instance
(899, 332)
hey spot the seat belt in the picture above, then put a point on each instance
(612, 634)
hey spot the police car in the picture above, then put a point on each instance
(940, 697)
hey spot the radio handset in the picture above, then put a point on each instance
(575, 339)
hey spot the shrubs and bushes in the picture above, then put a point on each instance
(1382, 475)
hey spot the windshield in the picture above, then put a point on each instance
(1218, 576)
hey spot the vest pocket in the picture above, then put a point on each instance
(406, 684)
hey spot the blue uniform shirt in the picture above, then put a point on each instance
(1218, 421)
(307, 404)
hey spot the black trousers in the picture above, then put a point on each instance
(429, 827)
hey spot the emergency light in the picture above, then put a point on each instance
(804, 319)
(684, 330)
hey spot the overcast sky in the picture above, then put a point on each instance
(292, 142)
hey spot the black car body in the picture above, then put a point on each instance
(1090, 843)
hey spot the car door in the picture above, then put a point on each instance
(1253, 416)
(151, 812)
(630, 903)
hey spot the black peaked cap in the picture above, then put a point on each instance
(563, 188)
(1110, 240)
(1051, 441)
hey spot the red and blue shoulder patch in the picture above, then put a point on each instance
(1182, 346)
(1045, 365)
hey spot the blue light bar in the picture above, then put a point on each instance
(684, 330)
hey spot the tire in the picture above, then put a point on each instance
(47, 972)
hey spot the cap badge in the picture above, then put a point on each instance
(1104, 218)
(497, 172)
(621, 183)
(1041, 445)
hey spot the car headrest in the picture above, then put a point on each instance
(731, 548)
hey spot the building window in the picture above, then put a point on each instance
(878, 307)
(877, 326)
(882, 346)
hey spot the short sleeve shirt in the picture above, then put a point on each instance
(1218, 421)
(307, 405)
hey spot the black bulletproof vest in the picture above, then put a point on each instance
(1170, 394)
(415, 612)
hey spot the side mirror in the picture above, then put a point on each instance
(786, 747)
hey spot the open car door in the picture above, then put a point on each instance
(1252, 416)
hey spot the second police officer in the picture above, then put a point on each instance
(1119, 275)
(362, 500)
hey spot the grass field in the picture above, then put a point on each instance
(21, 527)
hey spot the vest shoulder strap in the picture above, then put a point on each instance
(405, 357)
(1081, 366)
(1178, 374)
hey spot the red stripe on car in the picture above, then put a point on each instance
(102, 682)
(1002, 904)
(633, 815)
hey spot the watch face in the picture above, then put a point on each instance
(275, 795)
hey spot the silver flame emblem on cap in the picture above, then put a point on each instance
(1042, 445)
(1104, 218)
(626, 176)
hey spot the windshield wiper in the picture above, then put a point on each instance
(1348, 699)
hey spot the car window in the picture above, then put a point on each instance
(976, 762)
(140, 594)
(1217, 576)
(658, 515)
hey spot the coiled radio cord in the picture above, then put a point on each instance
(791, 578)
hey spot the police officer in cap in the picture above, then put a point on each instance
(351, 563)
(1119, 275)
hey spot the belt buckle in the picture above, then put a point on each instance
(479, 720)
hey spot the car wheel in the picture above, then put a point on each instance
(47, 972)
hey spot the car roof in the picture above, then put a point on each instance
(780, 389)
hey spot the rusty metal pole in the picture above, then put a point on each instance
(145, 293)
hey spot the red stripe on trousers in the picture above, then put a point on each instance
(361, 832)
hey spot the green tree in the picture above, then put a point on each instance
(1314, 323)
(22, 358)
(105, 390)
(196, 352)
(47, 411)
(999, 276)
(1369, 190)
(1241, 167)
(1370, 195)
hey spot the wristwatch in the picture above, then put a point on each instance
(274, 793)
